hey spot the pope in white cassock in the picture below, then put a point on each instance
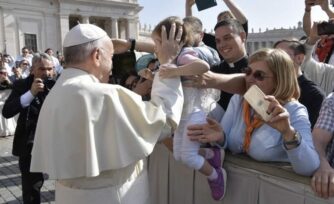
(93, 138)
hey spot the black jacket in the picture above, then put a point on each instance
(27, 121)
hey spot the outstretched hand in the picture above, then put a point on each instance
(208, 132)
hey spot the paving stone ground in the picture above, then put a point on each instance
(10, 179)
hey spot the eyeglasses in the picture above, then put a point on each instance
(258, 75)
(25, 64)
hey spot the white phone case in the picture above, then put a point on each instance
(255, 97)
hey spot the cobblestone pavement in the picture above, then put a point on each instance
(10, 179)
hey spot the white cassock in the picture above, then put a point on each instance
(93, 138)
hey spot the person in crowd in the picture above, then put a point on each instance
(7, 126)
(5, 82)
(320, 73)
(24, 56)
(233, 12)
(24, 68)
(17, 74)
(147, 65)
(311, 95)
(8, 63)
(323, 179)
(26, 100)
(55, 60)
(193, 61)
(135, 83)
(230, 38)
(95, 146)
(285, 137)
(324, 50)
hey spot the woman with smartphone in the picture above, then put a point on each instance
(285, 137)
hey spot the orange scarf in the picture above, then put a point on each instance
(250, 125)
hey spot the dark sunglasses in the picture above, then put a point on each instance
(258, 75)
(3, 73)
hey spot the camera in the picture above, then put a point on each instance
(48, 83)
(325, 28)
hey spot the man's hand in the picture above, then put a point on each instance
(206, 80)
(309, 4)
(37, 86)
(167, 71)
(171, 46)
(323, 181)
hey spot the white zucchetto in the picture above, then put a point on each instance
(83, 33)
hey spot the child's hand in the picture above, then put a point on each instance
(167, 71)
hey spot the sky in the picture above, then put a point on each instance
(261, 14)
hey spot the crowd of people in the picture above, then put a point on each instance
(188, 86)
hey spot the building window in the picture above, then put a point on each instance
(30, 41)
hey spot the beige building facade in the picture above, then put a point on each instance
(40, 24)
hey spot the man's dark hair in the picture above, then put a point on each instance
(295, 45)
(236, 25)
(47, 50)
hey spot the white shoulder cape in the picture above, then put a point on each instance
(86, 127)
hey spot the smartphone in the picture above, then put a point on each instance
(326, 28)
(205, 4)
(255, 97)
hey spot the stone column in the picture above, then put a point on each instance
(114, 28)
(2, 33)
(132, 28)
(64, 26)
(122, 32)
(85, 19)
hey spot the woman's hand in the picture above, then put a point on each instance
(204, 133)
(280, 118)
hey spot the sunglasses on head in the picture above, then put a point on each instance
(257, 75)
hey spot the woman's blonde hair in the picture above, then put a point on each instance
(281, 65)
(187, 38)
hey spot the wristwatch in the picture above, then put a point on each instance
(133, 44)
(295, 142)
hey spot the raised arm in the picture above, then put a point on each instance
(325, 6)
(122, 45)
(307, 23)
(197, 67)
(236, 11)
(189, 4)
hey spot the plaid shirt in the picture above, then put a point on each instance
(326, 122)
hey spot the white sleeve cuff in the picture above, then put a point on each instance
(26, 99)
